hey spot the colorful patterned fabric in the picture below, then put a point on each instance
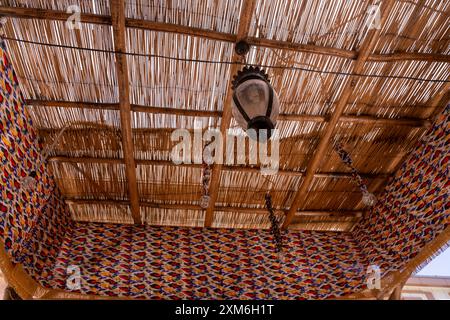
(414, 207)
(31, 227)
(187, 263)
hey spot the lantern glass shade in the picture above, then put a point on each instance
(255, 103)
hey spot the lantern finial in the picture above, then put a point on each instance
(248, 73)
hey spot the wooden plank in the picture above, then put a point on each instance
(118, 22)
(408, 56)
(313, 165)
(180, 29)
(47, 14)
(412, 122)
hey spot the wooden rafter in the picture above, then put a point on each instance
(118, 23)
(413, 122)
(244, 26)
(350, 82)
(47, 14)
(227, 209)
(248, 169)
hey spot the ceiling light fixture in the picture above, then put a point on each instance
(255, 103)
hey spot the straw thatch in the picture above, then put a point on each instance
(379, 119)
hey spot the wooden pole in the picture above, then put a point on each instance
(412, 122)
(118, 22)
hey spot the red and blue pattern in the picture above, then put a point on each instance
(415, 207)
(190, 263)
(32, 227)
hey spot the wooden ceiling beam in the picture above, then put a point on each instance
(115, 161)
(227, 209)
(47, 14)
(118, 23)
(409, 56)
(350, 82)
(247, 9)
(412, 122)
(180, 29)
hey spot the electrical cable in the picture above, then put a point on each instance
(293, 68)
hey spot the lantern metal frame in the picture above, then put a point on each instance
(259, 122)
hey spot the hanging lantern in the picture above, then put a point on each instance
(255, 103)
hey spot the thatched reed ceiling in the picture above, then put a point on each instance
(380, 118)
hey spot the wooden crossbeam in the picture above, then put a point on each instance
(227, 209)
(47, 14)
(412, 122)
(350, 82)
(118, 22)
(244, 26)
(247, 169)
(166, 133)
